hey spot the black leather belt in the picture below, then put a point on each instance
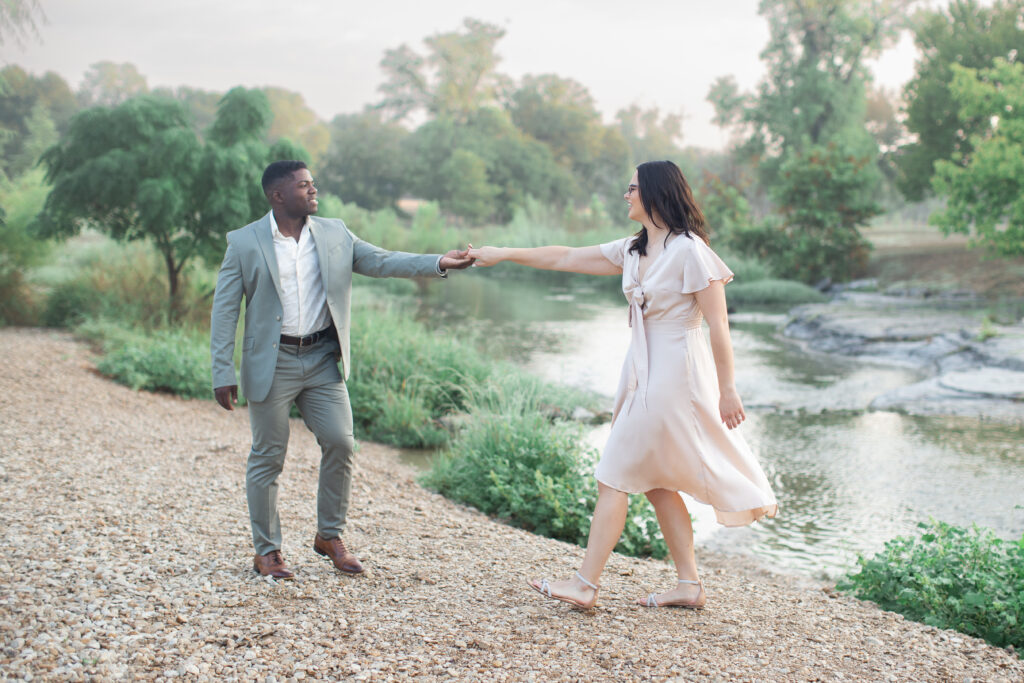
(309, 339)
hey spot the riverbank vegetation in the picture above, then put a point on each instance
(949, 577)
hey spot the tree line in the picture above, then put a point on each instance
(817, 149)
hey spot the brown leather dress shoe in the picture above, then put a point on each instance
(340, 556)
(272, 564)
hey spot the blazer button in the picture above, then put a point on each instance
(274, 345)
(278, 317)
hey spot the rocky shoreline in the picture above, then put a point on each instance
(128, 558)
(972, 367)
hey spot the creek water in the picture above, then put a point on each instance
(847, 479)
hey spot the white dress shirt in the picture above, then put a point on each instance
(304, 301)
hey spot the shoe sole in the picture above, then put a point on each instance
(321, 553)
(276, 578)
(569, 601)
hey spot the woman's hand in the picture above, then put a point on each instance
(730, 407)
(486, 256)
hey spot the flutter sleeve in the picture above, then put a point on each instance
(615, 251)
(701, 267)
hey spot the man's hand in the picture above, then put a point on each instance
(456, 260)
(226, 396)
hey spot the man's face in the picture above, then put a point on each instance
(299, 194)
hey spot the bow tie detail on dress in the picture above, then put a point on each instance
(638, 374)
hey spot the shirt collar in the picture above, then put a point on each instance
(276, 232)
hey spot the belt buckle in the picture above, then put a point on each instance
(303, 342)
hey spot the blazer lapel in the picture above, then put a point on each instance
(265, 238)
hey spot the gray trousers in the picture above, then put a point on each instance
(308, 376)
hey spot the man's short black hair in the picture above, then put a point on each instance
(279, 170)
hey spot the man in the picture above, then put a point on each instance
(295, 273)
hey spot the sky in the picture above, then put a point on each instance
(657, 53)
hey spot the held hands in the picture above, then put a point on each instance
(485, 256)
(226, 396)
(730, 407)
(456, 260)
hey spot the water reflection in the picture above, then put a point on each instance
(847, 480)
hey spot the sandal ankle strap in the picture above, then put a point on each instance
(580, 577)
(695, 583)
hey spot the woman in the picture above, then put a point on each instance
(672, 422)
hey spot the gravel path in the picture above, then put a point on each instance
(128, 557)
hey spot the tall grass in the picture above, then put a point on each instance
(405, 379)
(92, 276)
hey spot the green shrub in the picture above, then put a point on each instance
(772, 292)
(513, 462)
(174, 361)
(949, 577)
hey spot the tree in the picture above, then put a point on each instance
(967, 34)
(650, 135)
(18, 19)
(33, 111)
(467, 190)
(107, 84)
(806, 124)
(365, 162)
(200, 104)
(292, 118)
(883, 123)
(984, 189)
(560, 112)
(139, 171)
(517, 165)
(457, 75)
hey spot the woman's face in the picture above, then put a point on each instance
(632, 197)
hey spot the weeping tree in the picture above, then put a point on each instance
(139, 171)
(804, 128)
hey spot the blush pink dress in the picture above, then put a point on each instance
(666, 430)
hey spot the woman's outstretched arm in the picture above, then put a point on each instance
(587, 260)
(712, 304)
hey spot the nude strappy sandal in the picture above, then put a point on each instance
(652, 599)
(545, 589)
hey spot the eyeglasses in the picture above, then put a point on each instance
(631, 189)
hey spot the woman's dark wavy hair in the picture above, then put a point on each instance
(666, 196)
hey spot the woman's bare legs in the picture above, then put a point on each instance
(674, 519)
(605, 529)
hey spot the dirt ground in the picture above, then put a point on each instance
(127, 557)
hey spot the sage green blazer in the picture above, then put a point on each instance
(250, 270)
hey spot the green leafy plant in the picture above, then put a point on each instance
(949, 577)
(174, 361)
(513, 462)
